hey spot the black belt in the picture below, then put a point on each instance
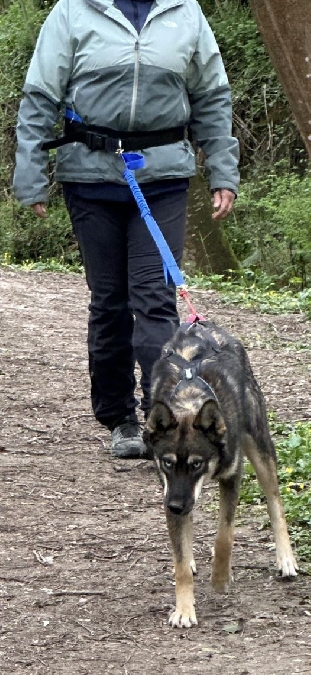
(102, 138)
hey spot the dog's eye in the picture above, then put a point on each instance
(167, 464)
(195, 466)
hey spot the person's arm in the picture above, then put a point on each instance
(44, 88)
(211, 118)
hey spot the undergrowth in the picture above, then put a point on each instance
(257, 291)
(270, 228)
(293, 445)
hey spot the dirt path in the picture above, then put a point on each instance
(86, 579)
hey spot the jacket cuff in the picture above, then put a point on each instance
(225, 188)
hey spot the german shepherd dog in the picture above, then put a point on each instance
(208, 412)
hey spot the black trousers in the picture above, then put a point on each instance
(132, 310)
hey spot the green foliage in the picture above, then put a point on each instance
(256, 291)
(293, 445)
(244, 54)
(271, 226)
(24, 237)
(57, 265)
(19, 25)
(17, 39)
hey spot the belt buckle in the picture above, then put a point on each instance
(94, 141)
(113, 145)
(119, 150)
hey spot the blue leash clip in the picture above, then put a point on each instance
(72, 115)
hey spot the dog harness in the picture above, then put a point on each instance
(190, 372)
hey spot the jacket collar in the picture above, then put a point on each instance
(103, 5)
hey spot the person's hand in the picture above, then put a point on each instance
(223, 201)
(39, 210)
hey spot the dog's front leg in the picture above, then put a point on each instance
(180, 531)
(228, 499)
(264, 464)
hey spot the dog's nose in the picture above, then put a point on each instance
(175, 506)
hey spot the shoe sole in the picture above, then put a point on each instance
(131, 453)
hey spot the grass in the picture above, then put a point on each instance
(50, 265)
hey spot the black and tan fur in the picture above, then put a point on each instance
(207, 413)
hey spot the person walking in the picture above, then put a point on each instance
(126, 75)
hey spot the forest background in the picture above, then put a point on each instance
(268, 238)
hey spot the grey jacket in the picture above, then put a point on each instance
(89, 57)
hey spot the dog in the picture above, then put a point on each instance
(207, 412)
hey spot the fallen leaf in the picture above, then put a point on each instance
(234, 627)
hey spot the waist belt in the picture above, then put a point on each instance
(102, 138)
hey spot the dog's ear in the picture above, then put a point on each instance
(160, 418)
(210, 420)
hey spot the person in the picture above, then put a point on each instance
(133, 75)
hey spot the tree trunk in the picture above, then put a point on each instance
(285, 27)
(207, 248)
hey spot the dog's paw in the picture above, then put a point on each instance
(220, 583)
(184, 617)
(286, 564)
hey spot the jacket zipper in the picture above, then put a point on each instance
(135, 87)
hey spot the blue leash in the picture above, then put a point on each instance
(134, 161)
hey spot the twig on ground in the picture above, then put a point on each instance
(85, 627)
(82, 592)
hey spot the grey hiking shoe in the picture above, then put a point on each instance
(127, 441)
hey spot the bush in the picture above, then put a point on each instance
(271, 227)
(19, 25)
(23, 236)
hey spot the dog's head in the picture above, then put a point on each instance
(186, 447)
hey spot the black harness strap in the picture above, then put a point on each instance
(109, 140)
(190, 371)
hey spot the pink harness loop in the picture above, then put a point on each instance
(194, 316)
